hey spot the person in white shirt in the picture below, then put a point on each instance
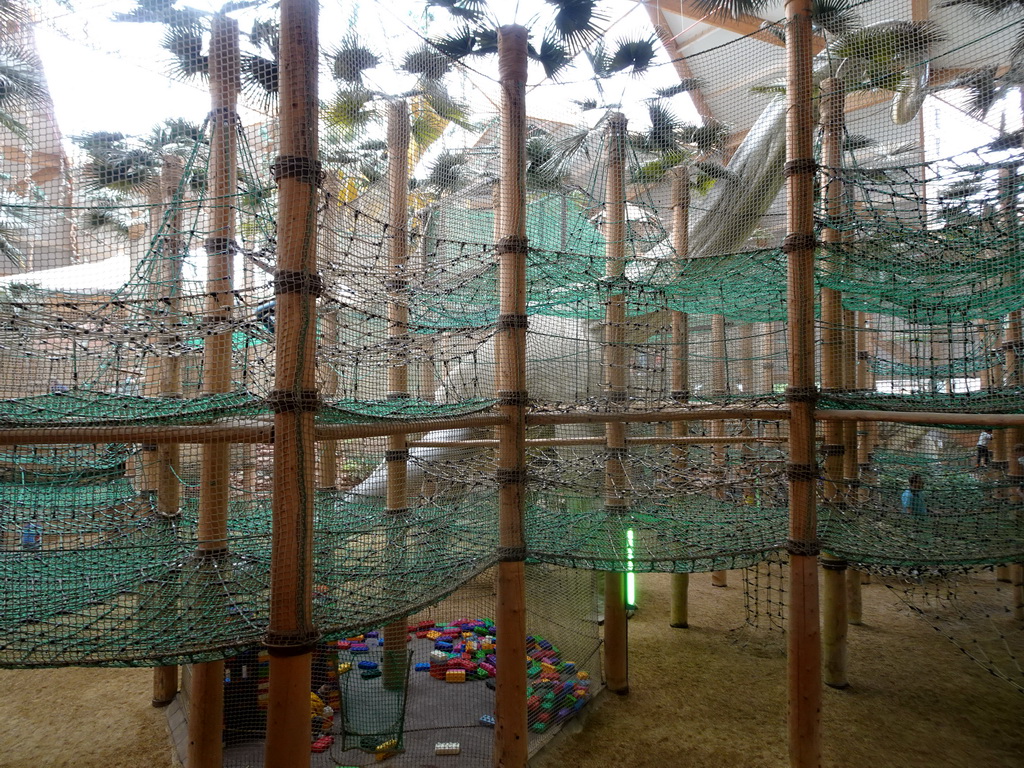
(984, 453)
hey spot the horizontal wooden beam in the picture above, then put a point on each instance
(605, 417)
(926, 417)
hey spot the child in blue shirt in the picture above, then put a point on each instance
(913, 497)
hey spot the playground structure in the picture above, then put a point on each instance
(560, 353)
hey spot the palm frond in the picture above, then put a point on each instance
(16, 218)
(457, 45)
(663, 135)
(446, 107)
(350, 60)
(856, 141)
(654, 171)
(175, 132)
(959, 190)
(635, 54)
(565, 151)
(260, 79)
(186, 46)
(709, 137)
(683, 86)
(576, 23)
(552, 56)
(427, 62)
(350, 110)
(131, 171)
(599, 60)
(834, 16)
(769, 88)
(1005, 141)
(448, 172)
(982, 92)
(266, 34)
(13, 12)
(21, 78)
(486, 41)
(890, 45)
(730, 8)
(1017, 51)
(97, 143)
(470, 10)
(17, 128)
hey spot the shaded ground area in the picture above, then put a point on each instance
(706, 697)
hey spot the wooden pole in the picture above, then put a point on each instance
(851, 458)
(510, 734)
(719, 387)
(207, 699)
(833, 379)
(168, 456)
(803, 637)
(397, 455)
(679, 614)
(616, 625)
(291, 633)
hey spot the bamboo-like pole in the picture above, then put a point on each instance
(616, 626)
(679, 614)
(510, 734)
(803, 637)
(168, 456)
(291, 633)
(833, 378)
(398, 373)
(207, 699)
(719, 387)
(851, 459)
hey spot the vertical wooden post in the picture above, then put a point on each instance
(616, 626)
(803, 638)
(168, 455)
(833, 378)
(719, 387)
(207, 701)
(510, 733)
(398, 372)
(679, 613)
(291, 633)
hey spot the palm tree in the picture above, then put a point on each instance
(986, 86)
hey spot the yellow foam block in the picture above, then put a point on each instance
(455, 676)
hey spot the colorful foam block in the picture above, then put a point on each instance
(487, 720)
(455, 676)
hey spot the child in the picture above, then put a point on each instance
(913, 497)
(984, 453)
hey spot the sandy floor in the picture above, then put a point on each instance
(698, 698)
